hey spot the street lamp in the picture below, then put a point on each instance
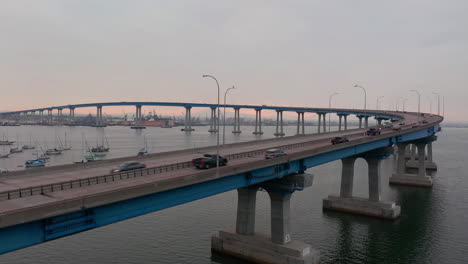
(217, 132)
(365, 94)
(438, 102)
(377, 103)
(329, 106)
(224, 113)
(419, 101)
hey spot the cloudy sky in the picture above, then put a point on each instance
(57, 52)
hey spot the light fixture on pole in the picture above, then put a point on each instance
(438, 102)
(365, 95)
(419, 101)
(217, 129)
(224, 114)
(329, 106)
(377, 103)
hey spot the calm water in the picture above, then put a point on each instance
(432, 227)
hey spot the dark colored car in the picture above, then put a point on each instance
(372, 132)
(130, 165)
(209, 161)
(338, 140)
(274, 153)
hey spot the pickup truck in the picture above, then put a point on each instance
(208, 161)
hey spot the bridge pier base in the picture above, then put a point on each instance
(373, 206)
(213, 121)
(420, 179)
(188, 120)
(278, 248)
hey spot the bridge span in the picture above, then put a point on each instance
(60, 118)
(40, 205)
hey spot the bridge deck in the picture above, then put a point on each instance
(37, 206)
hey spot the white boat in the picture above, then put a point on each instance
(6, 142)
(4, 155)
(54, 151)
(28, 147)
(15, 150)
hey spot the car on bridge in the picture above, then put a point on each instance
(127, 166)
(209, 161)
(387, 125)
(372, 132)
(338, 140)
(274, 153)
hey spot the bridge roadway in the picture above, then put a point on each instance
(22, 180)
(29, 196)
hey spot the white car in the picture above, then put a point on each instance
(274, 153)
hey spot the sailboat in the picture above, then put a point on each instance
(102, 147)
(5, 141)
(29, 146)
(66, 146)
(143, 151)
(4, 155)
(54, 151)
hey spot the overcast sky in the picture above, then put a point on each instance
(57, 52)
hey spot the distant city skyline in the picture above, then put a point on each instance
(276, 53)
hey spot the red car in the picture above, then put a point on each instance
(338, 140)
(372, 132)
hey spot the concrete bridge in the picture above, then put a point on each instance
(47, 116)
(40, 205)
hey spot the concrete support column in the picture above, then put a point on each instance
(279, 123)
(360, 121)
(245, 224)
(401, 158)
(188, 120)
(345, 122)
(213, 121)
(258, 122)
(41, 116)
(236, 129)
(347, 177)
(50, 117)
(372, 206)
(366, 121)
(280, 229)
(374, 179)
(319, 123)
(324, 122)
(421, 160)
(71, 117)
(59, 116)
(429, 152)
(339, 122)
(99, 116)
(303, 124)
(379, 121)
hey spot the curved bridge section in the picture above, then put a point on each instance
(44, 204)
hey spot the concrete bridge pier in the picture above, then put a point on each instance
(50, 117)
(340, 117)
(258, 122)
(99, 119)
(366, 122)
(360, 120)
(324, 122)
(279, 124)
(236, 121)
(379, 121)
(278, 248)
(59, 116)
(300, 123)
(188, 119)
(41, 116)
(372, 206)
(401, 177)
(319, 125)
(71, 118)
(213, 121)
(430, 164)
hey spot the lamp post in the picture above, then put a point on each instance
(224, 114)
(377, 103)
(329, 106)
(419, 102)
(217, 132)
(365, 94)
(438, 102)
